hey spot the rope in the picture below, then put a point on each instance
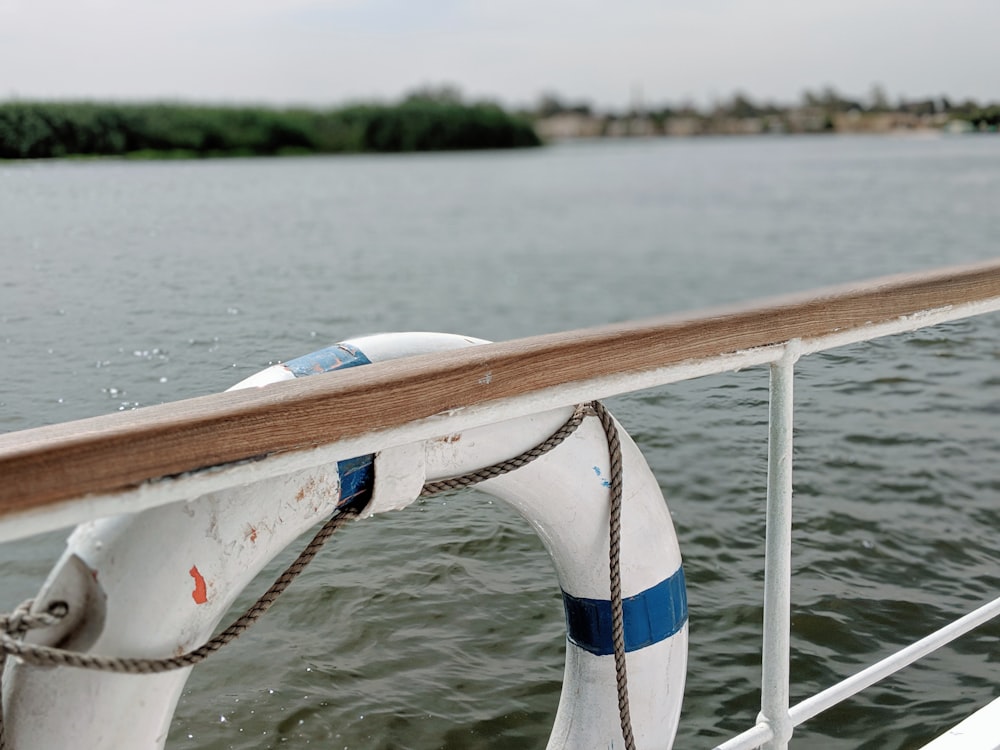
(17, 624)
(505, 467)
(614, 564)
(47, 656)
(14, 626)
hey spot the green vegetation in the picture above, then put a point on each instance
(980, 117)
(37, 130)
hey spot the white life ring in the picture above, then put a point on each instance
(157, 583)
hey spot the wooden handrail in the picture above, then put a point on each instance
(46, 465)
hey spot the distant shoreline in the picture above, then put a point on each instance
(45, 130)
(574, 126)
(423, 123)
(828, 113)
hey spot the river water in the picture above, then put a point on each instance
(126, 284)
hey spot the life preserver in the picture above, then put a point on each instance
(157, 583)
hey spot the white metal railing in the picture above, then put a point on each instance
(777, 719)
(185, 486)
(778, 552)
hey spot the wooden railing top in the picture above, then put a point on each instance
(106, 454)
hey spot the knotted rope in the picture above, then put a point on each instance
(14, 627)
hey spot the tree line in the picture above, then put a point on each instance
(421, 122)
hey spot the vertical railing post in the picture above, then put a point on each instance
(778, 554)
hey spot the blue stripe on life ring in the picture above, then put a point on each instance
(357, 475)
(357, 481)
(338, 357)
(649, 617)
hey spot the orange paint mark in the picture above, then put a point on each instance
(200, 593)
(309, 488)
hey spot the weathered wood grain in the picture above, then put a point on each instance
(105, 454)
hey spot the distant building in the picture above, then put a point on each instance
(569, 125)
(816, 116)
(856, 121)
(684, 126)
(630, 127)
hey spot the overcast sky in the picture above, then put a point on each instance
(605, 51)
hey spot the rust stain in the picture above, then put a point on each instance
(307, 489)
(449, 438)
(200, 593)
(253, 534)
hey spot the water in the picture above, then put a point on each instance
(128, 284)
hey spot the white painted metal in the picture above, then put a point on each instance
(880, 670)
(752, 738)
(977, 732)
(157, 583)
(286, 467)
(778, 554)
(810, 707)
(165, 491)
